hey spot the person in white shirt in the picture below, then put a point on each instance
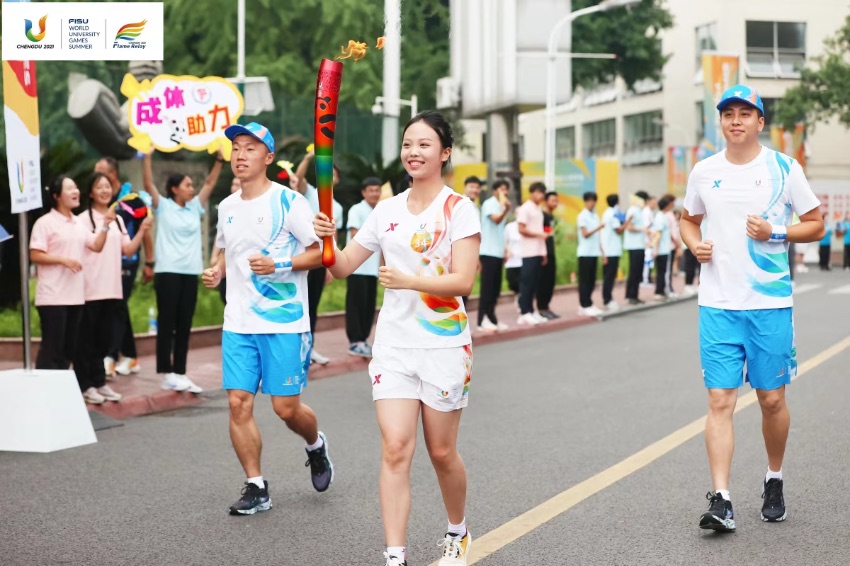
(611, 240)
(513, 258)
(662, 246)
(648, 212)
(747, 193)
(268, 243)
(533, 244)
(361, 289)
(422, 357)
(634, 242)
(494, 213)
(589, 250)
(319, 277)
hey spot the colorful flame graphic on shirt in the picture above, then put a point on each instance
(772, 257)
(42, 26)
(428, 245)
(129, 32)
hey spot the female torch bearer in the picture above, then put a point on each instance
(324, 125)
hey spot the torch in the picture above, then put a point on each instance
(324, 126)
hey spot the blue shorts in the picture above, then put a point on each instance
(764, 339)
(279, 361)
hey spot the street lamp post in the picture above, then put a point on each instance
(551, 69)
(381, 101)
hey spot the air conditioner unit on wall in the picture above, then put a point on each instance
(448, 93)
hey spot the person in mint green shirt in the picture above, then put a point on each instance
(179, 262)
(494, 217)
(825, 248)
(844, 230)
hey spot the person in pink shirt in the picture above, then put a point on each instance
(103, 289)
(533, 244)
(57, 245)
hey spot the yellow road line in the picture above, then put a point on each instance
(548, 510)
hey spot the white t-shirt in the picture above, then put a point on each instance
(513, 244)
(745, 274)
(357, 216)
(420, 245)
(648, 219)
(588, 247)
(612, 242)
(634, 240)
(661, 224)
(279, 223)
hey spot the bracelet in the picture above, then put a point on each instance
(778, 233)
(104, 228)
(282, 264)
(149, 264)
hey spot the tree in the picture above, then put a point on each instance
(632, 34)
(823, 92)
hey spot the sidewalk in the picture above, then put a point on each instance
(142, 393)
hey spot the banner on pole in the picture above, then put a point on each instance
(719, 72)
(20, 97)
(171, 113)
(680, 161)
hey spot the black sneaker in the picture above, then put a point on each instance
(719, 516)
(773, 510)
(321, 468)
(253, 499)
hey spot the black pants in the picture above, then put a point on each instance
(635, 273)
(546, 286)
(661, 273)
(691, 264)
(60, 326)
(361, 294)
(609, 277)
(96, 330)
(222, 290)
(529, 278)
(512, 275)
(122, 341)
(491, 287)
(823, 252)
(586, 279)
(846, 255)
(176, 295)
(315, 286)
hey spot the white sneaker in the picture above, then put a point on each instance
(502, 326)
(613, 306)
(394, 560)
(589, 311)
(108, 394)
(109, 367)
(539, 317)
(317, 358)
(487, 326)
(456, 550)
(127, 366)
(672, 295)
(92, 397)
(527, 319)
(689, 291)
(173, 382)
(802, 268)
(190, 385)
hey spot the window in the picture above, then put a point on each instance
(775, 49)
(643, 138)
(565, 143)
(600, 139)
(706, 37)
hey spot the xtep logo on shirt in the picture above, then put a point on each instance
(717, 184)
(377, 379)
(392, 227)
(230, 220)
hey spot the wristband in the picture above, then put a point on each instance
(104, 228)
(282, 264)
(778, 233)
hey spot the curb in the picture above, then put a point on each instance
(649, 305)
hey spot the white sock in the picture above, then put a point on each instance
(773, 475)
(258, 481)
(459, 530)
(398, 551)
(318, 444)
(724, 493)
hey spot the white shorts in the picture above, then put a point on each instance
(439, 377)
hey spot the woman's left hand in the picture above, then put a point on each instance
(393, 279)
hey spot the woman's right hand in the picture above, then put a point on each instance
(323, 227)
(211, 277)
(72, 264)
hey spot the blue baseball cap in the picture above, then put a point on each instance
(741, 93)
(259, 131)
